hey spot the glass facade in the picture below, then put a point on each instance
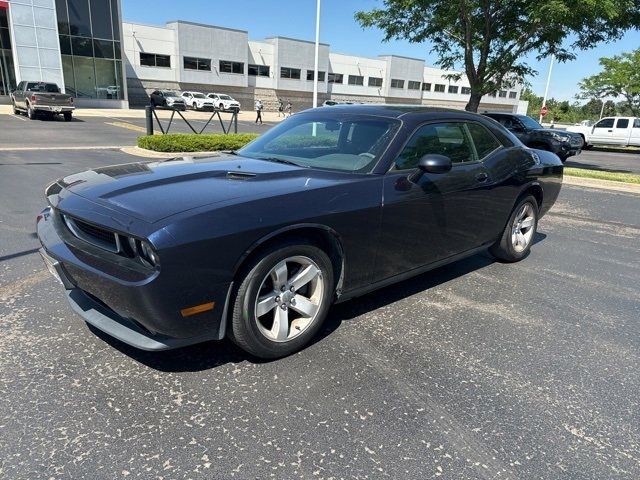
(7, 72)
(89, 34)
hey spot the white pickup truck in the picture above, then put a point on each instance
(611, 131)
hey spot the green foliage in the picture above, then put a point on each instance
(298, 141)
(602, 175)
(489, 39)
(620, 77)
(190, 142)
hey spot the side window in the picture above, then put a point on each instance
(604, 123)
(636, 123)
(622, 123)
(484, 141)
(450, 139)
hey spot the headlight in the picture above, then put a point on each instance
(560, 137)
(143, 250)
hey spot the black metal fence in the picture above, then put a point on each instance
(151, 115)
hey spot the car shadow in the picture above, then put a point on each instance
(594, 166)
(207, 355)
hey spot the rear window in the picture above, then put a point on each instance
(622, 123)
(43, 87)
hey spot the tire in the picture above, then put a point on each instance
(31, 113)
(15, 109)
(259, 335)
(505, 248)
(67, 116)
(222, 107)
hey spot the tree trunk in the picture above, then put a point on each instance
(474, 102)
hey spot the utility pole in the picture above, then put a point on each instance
(546, 90)
(315, 68)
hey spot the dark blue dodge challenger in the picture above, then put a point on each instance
(257, 244)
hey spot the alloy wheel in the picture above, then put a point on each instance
(289, 298)
(522, 228)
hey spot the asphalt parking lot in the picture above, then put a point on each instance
(479, 370)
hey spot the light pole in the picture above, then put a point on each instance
(315, 68)
(546, 90)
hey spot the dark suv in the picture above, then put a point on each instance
(532, 134)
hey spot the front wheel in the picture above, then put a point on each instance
(67, 116)
(518, 235)
(282, 300)
(15, 109)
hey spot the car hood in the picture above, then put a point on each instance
(152, 191)
(549, 131)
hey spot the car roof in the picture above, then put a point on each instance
(395, 110)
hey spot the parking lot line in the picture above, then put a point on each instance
(17, 117)
(129, 126)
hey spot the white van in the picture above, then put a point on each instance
(623, 131)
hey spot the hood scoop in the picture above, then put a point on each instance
(240, 175)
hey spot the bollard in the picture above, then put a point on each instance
(148, 112)
(235, 121)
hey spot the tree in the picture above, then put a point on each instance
(620, 77)
(489, 38)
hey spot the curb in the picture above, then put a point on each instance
(601, 184)
(143, 152)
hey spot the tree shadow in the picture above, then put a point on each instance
(207, 355)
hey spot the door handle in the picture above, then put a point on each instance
(609, 131)
(482, 177)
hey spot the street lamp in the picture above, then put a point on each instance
(315, 68)
(546, 90)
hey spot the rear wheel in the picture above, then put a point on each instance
(67, 116)
(31, 113)
(517, 237)
(282, 300)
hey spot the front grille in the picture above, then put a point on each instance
(92, 234)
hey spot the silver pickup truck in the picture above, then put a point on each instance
(41, 97)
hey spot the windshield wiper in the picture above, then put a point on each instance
(281, 160)
(230, 152)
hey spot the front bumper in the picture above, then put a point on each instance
(142, 312)
(53, 108)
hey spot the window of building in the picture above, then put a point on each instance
(622, 123)
(484, 141)
(426, 87)
(397, 83)
(413, 85)
(375, 81)
(465, 90)
(493, 94)
(195, 63)
(310, 76)
(513, 94)
(335, 78)
(7, 71)
(439, 88)
(450, 139)
(259, 70)
(453, 89)
(356, 80)
(503, 94)
(227, 66)
(153, 60)
(287, 72)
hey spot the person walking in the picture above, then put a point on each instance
(280, 108)
(289, 108)
(259, 111)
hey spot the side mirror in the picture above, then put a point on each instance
(431, 163)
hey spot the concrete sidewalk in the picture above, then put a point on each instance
(245, 116)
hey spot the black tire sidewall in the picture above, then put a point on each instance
(245, 331)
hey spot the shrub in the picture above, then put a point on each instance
(190, 142)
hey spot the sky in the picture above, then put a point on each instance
(296, 18)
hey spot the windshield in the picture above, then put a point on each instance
(43, 87)
(529, 122)
(199, 95)
(346, 143)
(225, 97)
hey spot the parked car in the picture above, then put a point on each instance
(224, 102)
(623, 131)
(168, 99)
(41, 97)
(197, 101)
(534, 135)
(256, 245)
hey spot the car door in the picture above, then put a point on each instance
(621, 131)
(18, 95)
(634, 138)
(602, 131)
(428, 217)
